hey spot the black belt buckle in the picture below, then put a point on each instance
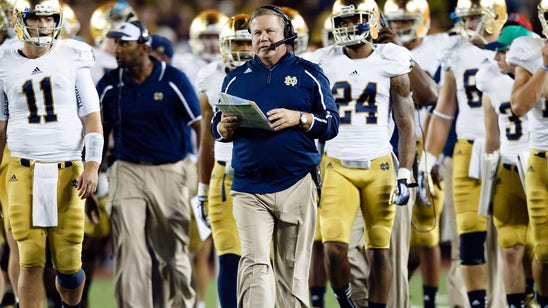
(27, 163)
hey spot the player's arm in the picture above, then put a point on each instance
(492, 133)
(205, 154)
(443, 116)
(93, 133)
(425, 89)
(527, 90)
(400, 95)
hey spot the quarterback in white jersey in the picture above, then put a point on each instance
(529, 95)
(49, 112)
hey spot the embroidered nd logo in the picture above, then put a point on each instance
(158, 96)
(290, 81)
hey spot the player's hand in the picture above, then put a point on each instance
(87, 182)
(389, 35)
(401, 193)
(202, 198)
(425, 180)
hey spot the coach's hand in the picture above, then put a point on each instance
(228, 124)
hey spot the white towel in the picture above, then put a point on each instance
(44, 195)
(474, 170)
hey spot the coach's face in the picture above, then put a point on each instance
(266, 30)
(129, 53)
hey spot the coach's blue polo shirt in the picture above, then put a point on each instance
(148, 119)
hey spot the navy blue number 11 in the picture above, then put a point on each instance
(28, 90)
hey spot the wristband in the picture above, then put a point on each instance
(544, 67)
(404, 173)
(202, 189)
(93, 143)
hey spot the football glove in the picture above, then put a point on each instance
(401, 193)
(202, 198)
(425, 181)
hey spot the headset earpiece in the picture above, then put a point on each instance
(143, 36)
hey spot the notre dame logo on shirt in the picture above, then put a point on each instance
(158, 96)
(290, 81)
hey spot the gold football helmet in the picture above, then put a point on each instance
(543, 16)
(365, 23)
(204, 34)
(109, 16)
(300, 27)
(6, 14)
(24, 9)
(416, 11)
(71, 25)
(492, 12)
(235, 39)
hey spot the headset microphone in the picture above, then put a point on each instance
(278, 43)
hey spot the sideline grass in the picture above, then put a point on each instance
(102, 294)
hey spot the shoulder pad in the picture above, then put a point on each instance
(310, 65)
(205, 72)
(487, 71)
(448, 48)
(396, 60)
(83, 53)
(525, 52)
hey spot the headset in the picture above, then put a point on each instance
(289, 32)
(143, 36)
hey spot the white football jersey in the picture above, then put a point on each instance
(465, 63)
(525, 52)
(361, 88)
(209, 81)
(514, 130)
(43, 106)
(104, 62)
(190, 65)
(427, 56)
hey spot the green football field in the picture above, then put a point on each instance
(102, 294)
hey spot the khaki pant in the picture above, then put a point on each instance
(398, 296)
(150, 222)
(359, 265)
(284, 220)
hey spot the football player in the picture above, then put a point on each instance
(529, 96)
(215, 157)
(48, 178)
(411, 21)
(506, 136)
(367, 81)
(481, 23)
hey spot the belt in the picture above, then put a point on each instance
(356, 164)
(29, 163)
(540, 154)
(510, 167)
(221, 162)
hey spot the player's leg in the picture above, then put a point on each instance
(317, 278)
(536, 183)
(338, 207)
(472, 228)
(379, 218)
(511, 219)
(456, 292)
(225, 233)
(65, 240)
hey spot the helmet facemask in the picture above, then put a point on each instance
(543, 16)
(356, 32)
(493, 16)
(35, 35)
